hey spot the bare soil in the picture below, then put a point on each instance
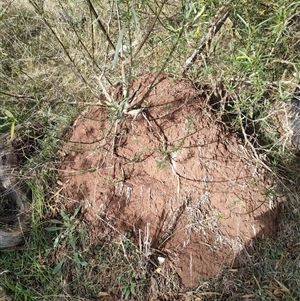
(171, 174)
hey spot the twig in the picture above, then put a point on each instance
(150, 29)
(206, 40)
(100, 24)
(17, 96)
(40, 13)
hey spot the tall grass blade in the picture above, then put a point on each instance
(118, 48)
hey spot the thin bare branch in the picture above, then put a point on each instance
(150, 29)
(206, 40)
(100, 23)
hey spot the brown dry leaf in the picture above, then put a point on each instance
(103, 294)
(283, 288)
(269, 293)
(209, 294)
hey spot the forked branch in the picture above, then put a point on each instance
(100, 24)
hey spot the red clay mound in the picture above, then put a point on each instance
(171, 174)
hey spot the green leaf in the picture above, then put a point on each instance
(55, 221)
(132, 288)
(56, 241)
(127, 293)
(78, 260)
(243, 21)
(9, 114)
(4, 125)
(72, 241)
(76, 211)
(134, 17)
(52, 229)
(64, 215)
(172, 29)
(118, 47)
(58, 266)
(200, 13)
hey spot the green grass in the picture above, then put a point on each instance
(56, 59)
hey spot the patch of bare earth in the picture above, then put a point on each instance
(172, 174)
